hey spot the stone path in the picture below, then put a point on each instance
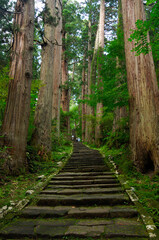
(84, 201)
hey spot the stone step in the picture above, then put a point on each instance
(82, 200)
(61, 174)
(83, 177)
(82, 191)
(113, 185)
(53, 229)
(86, 169)
(93, 166)
(86, 154)
(87, 164)
(84, 182)
(84, 158)
(76, 212)
(87, 158)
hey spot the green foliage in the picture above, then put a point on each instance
(60, 143)
(121, 156)
(6, 17)
(139, 35)
(38, 159)
(72, 24)
(34, 97)
(75, 119)
(146, 188)
(113, 73)
(107, 123)
(4, 82)
(119, 137)
(48, 18)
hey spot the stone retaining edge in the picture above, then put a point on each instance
(146, 218)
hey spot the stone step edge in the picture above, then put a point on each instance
(75, 200)
(106, 229)
(80, 212)
(106, 185)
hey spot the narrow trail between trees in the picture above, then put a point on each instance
(84, 201)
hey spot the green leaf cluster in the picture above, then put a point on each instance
(4, 83)
(139, 35)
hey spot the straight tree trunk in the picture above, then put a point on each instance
(83, 98)
(99, 108)
(43, 115)
(16, 119)
(57, 70)
(93, 82)
(144, 95)
(65, 96)
(88, 114)
(119, 112)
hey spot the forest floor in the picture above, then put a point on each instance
(14, 188)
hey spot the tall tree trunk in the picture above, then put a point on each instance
(83, 98)
(120, 112)
(16, 119)
(88, 130)
(144, 95)
(57, 70)
(93, 82)
(43, 114)
(99, 108)
(65, 89)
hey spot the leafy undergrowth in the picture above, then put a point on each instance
(146, 187)
(14, 188)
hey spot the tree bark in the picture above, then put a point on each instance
(119, 112)
(16, 119)
(88, 130)
(83, 98)
(99, 108)
(65, 89)
(144, 95)
(93, 82)
(43, 115)
(57, 70)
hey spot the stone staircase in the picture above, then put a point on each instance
(84, 201)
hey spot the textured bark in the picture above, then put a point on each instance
(91, 139)
(144, 95)
(57, 70)
(99, 108)
(16, 119)
(43, 114)
(83, 98)
(65, 96)
(88, 130)
(120, 112)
